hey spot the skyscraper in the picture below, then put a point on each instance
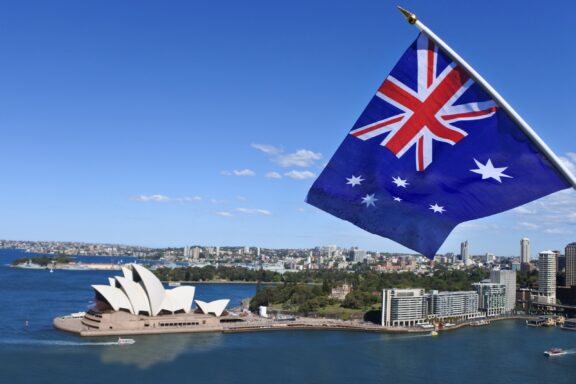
(525, 251)
(570, 254)
(464, 252)
(547, 277)
(508, 279)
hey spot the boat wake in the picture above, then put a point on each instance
(61, 343)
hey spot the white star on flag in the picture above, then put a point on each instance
(400, 182)
(488, 171)
(437, 209)
(369, 200)
(396, 198)
(355, 180)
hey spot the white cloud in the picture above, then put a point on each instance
(569, 162)
(147, 198)
(254, 211)
(267, 149)
(273, 175)
(527, 225)
(300, 158)
(523, 210)
(242, 172)
(188, 199)
(557, 231)
(165, 199)
(224, 214)
(300, 175)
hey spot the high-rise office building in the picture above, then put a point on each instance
(464, 252)
(508, 279)
(524, 252)
(570, 255)
(547, 277)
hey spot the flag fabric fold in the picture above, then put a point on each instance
(431, 150)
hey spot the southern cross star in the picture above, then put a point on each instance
(488, 171)
(437, 209)
(355, 180)
(400, 182)
(396, 198)
(369, 200)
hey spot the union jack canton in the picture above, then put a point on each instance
(429, 112)
(431, 150)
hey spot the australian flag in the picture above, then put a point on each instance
(431, 150)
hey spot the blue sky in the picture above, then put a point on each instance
(183, 122)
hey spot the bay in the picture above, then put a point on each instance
(505, 352)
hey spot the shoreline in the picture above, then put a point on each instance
(254, 324)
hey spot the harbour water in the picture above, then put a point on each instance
(505, 352)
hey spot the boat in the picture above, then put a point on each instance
(433, 333)
(174, 284)
(555, 352)
(569, 325)
(122, 341)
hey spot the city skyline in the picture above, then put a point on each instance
(207, 123)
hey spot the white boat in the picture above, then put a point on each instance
(122, 341)
(555, 352)
(174, 284)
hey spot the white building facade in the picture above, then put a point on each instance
(491, 298)
(508, 279)
(403, 307)
(460, 304)
(546, 278)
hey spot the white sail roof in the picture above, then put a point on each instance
(136, 294)
(216, 307)
(140, 292)
(179, 299)
(115, 297)
(153, 286)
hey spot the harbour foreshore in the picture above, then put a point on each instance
(256, 324)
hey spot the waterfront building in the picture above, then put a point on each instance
(525, 253)
(491, 298)
(137, 303)
(460, 304)
(403, 307)
(570, 254)
(464, 255)
(546, 278)
(508, 279)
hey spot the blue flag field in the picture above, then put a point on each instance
(431, 150)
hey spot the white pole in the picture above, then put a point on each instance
(497, 98)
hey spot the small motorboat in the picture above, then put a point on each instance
(433, 333)
(122, 341)
(555, 352)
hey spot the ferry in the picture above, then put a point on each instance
(122, 341)
(555, 352)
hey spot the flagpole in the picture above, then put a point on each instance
(412, 19)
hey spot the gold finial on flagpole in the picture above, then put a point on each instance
(410, 17)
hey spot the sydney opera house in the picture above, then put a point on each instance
(138, 303)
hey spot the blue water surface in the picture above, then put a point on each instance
(505, 352)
